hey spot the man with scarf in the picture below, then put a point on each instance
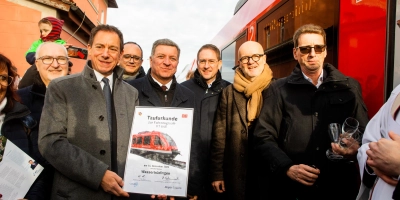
(207, 86)
(292, 136)
(232, 163)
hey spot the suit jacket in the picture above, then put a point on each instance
(74, 135)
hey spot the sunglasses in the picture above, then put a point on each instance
(307, 49)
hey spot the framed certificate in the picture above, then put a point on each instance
(159, 151)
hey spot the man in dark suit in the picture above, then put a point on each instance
(85, 124)
(159, 88)
(207, 86)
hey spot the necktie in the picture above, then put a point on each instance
(164, 88)
(108, 97)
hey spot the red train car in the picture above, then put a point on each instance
(154, 145)
(362, 38)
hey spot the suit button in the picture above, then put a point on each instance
(101, 118)
(102, 152)
(317, 149)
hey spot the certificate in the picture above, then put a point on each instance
(159, 151)
(18, 170)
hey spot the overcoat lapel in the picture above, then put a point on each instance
(240, 100)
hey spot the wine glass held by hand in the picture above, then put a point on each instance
(350, 126)
(334, 133)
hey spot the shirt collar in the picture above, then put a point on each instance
(320, 78)
(168, 84)
(99, 77)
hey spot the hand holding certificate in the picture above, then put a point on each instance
(159, 151)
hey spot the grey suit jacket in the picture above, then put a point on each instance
(74, 135)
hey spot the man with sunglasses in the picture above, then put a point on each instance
(131, 61)
(292, 132)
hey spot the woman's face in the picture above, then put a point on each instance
(3, 89)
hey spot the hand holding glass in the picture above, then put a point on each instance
(334, 135)
(350, 126)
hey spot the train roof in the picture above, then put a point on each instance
(250, 10)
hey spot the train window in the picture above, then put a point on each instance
(282, 29)
(139, 141)
(267, 35)
(134, 141)
(157, 140)
(147, 140)
(170, 140)
(228, 62)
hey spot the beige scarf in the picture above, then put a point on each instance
(252, 90)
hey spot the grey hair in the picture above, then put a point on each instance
(166, 42)
(46, 43)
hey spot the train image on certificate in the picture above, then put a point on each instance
(157, 146)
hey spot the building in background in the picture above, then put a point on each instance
(19, 25)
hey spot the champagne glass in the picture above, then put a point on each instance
(350, 126)
(334, 133)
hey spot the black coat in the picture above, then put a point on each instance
(293, 129)
(21, 129)
(206, 104)
(33, 97)
(183, 98)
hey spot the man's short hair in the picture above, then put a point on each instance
(166, 42)
(211, 47)
(46, 43)
(107, 28)
(141, 50)
(308, 28)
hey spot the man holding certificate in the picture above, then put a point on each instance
(85, 123)
(159, 88)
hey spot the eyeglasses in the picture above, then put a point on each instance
(307, 49)
(5, 80)
(210, 62)
(128, 57)
(254, 57)
(47, 60)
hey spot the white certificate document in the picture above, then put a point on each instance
(18, 170)
(159, 151)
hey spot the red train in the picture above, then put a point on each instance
(362, 39)
(154, 145)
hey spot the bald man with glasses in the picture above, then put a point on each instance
(291, 135)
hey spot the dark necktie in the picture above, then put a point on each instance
(164, 88)
(108, 97)
(112, 129)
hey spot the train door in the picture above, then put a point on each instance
(393, 46)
